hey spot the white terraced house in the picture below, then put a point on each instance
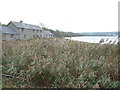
(22, 31)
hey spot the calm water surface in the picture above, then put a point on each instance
(96, 39)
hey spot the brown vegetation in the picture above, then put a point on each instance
(59, 63)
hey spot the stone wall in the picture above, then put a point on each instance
(10, 36)
(29, 33)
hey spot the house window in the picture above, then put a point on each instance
(40, 35)
(37, 36)
(40, 31)
(12, 35)
(5, 34)
(22, 29)
(24, 36)
(37, 31)
(33, 35)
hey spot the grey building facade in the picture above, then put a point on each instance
(48, 34)
(22, 31)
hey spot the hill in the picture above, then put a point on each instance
(59, 33)
(99, 33)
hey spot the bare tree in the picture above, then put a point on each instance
(42, 25)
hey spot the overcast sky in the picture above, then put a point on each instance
(65, 15)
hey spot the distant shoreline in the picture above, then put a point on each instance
(95, 35)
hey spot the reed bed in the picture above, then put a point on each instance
(54, 62)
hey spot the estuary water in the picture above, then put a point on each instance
(96, 39)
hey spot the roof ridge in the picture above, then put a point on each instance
(26, 25)
(6, 29)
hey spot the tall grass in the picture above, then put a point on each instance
(56, 62)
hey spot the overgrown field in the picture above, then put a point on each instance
(59, 63)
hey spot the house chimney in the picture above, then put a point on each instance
(21, 21)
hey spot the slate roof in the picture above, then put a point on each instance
(26, 26)
(8, 30)
(48, 33)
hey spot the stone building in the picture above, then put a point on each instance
(47, 34)
(22, 31)
(8, 33)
